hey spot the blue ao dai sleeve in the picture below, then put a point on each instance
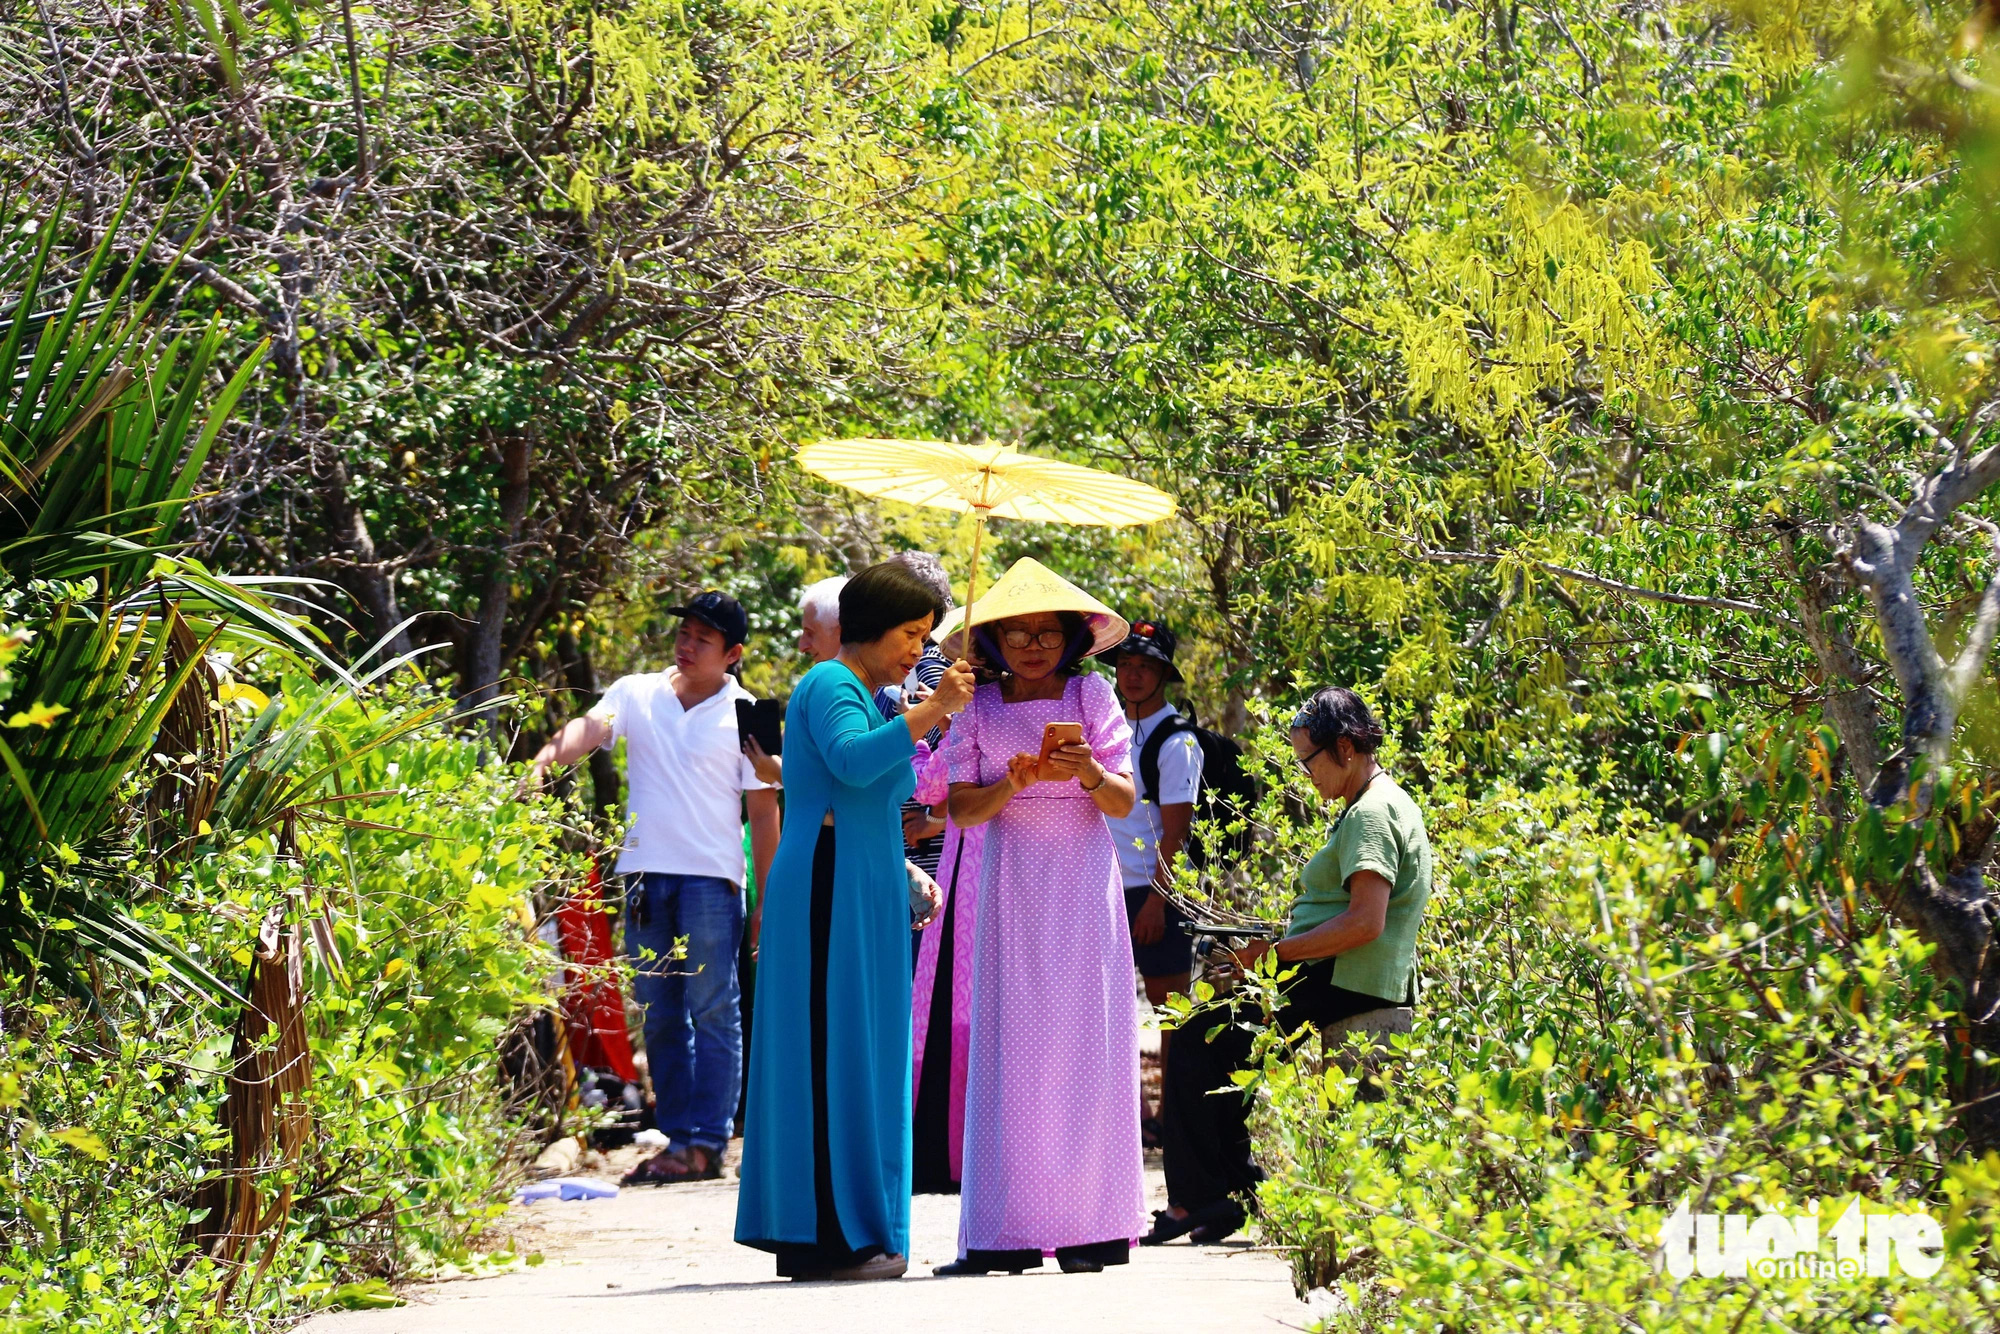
(858, 747)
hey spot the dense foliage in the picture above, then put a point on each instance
(1619, 1019)
(427, 955)
(1608, 390)
(533, 274)
(264, 923)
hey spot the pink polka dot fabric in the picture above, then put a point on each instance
(1052, 1155)
(958, 876)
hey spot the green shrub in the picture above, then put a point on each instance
(1618, 1017)
(426, 873)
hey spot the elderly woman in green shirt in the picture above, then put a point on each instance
(1352, 939)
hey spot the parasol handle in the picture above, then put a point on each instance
(980, 509)
(972, 579)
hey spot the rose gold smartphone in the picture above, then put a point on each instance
(1054, 735)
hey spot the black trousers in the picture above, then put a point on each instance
(1204, 1131)
(930, 1137)
(830, 1251)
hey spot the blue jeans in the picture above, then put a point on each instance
(694, 1026)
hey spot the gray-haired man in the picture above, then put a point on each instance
(819, 619)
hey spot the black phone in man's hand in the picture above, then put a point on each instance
(763, 719)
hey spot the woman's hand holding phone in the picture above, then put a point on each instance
(952, 694)
(1064, 755)
(1074, 760)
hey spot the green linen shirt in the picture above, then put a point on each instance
(1381, 832)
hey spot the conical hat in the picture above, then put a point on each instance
(1030, 586)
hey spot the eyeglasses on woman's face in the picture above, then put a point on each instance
(1023, 638)
(1301, 737)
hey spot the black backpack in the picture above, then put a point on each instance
(1227, 793)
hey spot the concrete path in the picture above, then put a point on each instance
(661, 1258)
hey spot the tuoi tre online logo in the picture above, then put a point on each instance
(1776, 1246)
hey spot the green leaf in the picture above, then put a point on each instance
(218, 43)
(83, 1141)
(370, 1295)
(38, 715)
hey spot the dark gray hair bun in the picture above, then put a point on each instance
(1334, 712)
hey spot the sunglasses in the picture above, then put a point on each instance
(1306, 761)
(1023, 638)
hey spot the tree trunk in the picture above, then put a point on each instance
(1966, 955)
(363, 575)
(1844, 674)
(1976, 1086)
(480, 686)
(1954, 911)
(581, 676)
(1235, 716)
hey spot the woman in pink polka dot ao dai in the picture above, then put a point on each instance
(1052, 1160)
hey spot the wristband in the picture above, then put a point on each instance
(1100, 782)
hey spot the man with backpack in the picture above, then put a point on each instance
(1168, 768)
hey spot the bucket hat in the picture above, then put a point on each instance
(1149, 639)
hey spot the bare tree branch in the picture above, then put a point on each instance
(354, 93)
(1971, 660)
(1609, 585)
(1883, 560)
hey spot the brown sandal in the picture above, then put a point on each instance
(676, 1167)
(655, 1171)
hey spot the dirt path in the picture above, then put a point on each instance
(662, 1259)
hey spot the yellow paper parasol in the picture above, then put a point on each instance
(986, 480)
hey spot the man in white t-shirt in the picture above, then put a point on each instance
(688, 788)
(1151, 837)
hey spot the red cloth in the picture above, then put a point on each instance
(593, 1007)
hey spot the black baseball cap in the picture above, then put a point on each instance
(719, 611)
(1149, 639)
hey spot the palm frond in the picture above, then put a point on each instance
(104, 429)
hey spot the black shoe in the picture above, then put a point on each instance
(1210, 1222)
(1076, 1264)
(969, 1269)
(1217, 1222)
(1166, 1227)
